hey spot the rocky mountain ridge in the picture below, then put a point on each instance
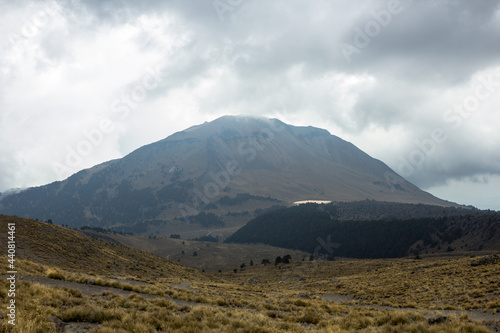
(227, 169)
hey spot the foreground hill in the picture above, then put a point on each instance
(57, 246)
(61, 288)
(372, 229)
(215, 176)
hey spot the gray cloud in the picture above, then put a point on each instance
(281, 58)
(440, 41)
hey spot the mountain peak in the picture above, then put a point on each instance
(247, 126)
(237, 122)
(231, 165)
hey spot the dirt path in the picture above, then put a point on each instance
(476, 315)
(91, 289)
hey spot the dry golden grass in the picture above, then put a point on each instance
(225, 305)
(284, 298)
(62, 247)
(117, 313)
(432, 283)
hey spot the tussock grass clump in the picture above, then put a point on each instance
(55, 274)
(74, 292)
(310, 317)
(221, 302)
(494, 304)
(36, 320)
(300, 302)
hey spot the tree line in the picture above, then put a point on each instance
(318, 230)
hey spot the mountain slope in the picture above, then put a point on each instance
(234, 164)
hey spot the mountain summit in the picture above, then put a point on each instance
(213, 174)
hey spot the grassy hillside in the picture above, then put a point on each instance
(61, 288)
(69, 249)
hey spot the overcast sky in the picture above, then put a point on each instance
(415, 84)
